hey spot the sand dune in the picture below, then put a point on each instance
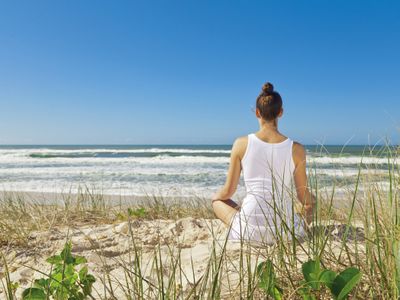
(109, 250)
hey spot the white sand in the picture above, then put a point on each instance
(109, 248)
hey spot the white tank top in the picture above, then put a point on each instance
(268, 177)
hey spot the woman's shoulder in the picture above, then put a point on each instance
(299, 152)
(242, 139)
(298, 147)
(240, 145)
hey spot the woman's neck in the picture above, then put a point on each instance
(269, 126)
(269, 132)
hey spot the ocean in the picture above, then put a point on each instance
(168, 170)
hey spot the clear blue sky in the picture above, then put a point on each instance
(138, 72)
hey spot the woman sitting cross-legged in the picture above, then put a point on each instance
(274, 173)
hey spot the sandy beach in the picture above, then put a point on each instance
(108, 249)
(188, 248)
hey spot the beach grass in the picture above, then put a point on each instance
(355, 225)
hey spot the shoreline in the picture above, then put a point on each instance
(341, 203)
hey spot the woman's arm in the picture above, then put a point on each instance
(300, 177)
(233, 176)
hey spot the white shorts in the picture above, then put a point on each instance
(264, 234)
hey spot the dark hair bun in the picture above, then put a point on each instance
(268, 87)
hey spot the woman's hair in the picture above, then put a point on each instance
(269, 102)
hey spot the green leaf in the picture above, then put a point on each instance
(90, 278)
(82, 273)
(69, 271)
(58, 268)
(311, 273)
(276, 294)
(80, 260)
(305, 291)
(65, 282)
(61, 294)
(80, 296)
(55, 259)
(345, 282)
(87, 284)
(66, 254)
(327, 277)
(41, 283)
(56, 280)
(33, 294)
(71, 279)
(267, 279)
(266, 275)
